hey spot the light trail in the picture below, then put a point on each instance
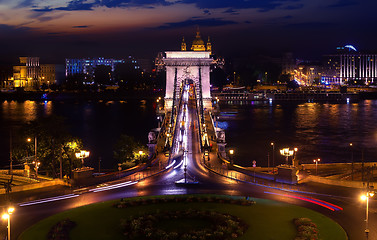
(113, 186)
(180, 164)
(45, 200)
(170, 165)
(321, 203)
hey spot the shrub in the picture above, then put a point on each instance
(137, 202)
(306, 229)
(224, 226)
(60, 231)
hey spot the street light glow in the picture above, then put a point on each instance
(231, 151)
(5, 216)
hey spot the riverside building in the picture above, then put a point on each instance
(349, 66)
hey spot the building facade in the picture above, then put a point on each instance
(349, 66)
(87, 66)
(30, 74)
(47, 74)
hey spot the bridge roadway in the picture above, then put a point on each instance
(351, 218)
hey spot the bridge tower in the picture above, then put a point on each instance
(189, 65)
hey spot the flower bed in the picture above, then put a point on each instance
(306, 229)
(60, 231)
(221, 226)
(190, 199)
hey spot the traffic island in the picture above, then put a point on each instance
(266, 219)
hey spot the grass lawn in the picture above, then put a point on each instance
(267, 220)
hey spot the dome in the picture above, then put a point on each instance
(198, 43)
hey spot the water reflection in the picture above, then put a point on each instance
(318, 130)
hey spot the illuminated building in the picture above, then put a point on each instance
(349, 66)
(47, 76)
(87, 66)
(27, 74)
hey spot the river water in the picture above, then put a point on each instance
(318, 130)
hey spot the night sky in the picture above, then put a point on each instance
(56, 29)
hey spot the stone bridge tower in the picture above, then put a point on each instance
(189, 65)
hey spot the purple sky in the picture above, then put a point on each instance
(55, 29)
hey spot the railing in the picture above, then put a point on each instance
(241, 177)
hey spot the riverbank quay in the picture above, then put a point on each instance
(346, 95)
(105, 95)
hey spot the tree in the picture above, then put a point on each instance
(54, 144)
(129, 152)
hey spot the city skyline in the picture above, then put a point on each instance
(55, 30)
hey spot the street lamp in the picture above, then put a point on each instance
(231, 152)
(316, 163)
(273, 157)
(6, 216)
(141, 153)
(36, 166)
(351, 146)
(35, 146)
(365, 197)
(81, 155)
(287, 153)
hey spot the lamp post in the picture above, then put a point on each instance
(351, 146)
(294, 157)
(316, 163)
(35, 148)
(287, 153)
(231, 152)
(365, 197)
(273, 158)
(141, 153)
(6, 216)
(81, 155)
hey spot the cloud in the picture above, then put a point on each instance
(231, 11)
(45, 9)
(344, 3)
(78, 5)
(293, 7)
(263, 5)
(207, 12)
(87, 5)
(81, 26)
(8, 30)
(25, 3)
(210, 22)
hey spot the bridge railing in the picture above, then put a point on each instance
(241, 177)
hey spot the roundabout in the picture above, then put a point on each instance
(187, 217)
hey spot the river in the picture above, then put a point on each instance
(318, 130)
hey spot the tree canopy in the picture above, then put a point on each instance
(128, 152)
(53, 142)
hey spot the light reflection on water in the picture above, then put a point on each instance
(317, 130)
(99, 124)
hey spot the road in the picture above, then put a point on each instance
(186, 150)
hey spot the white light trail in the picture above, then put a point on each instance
(171, 164)
(52, 199)
(119, 185)
(180, 164)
